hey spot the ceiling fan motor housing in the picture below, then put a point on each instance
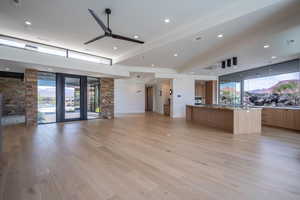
(108, 11)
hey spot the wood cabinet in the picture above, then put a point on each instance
(284, 118)
(210, 91)
(200, 89)
(167, 109)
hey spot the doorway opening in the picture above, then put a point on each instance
(149, 99)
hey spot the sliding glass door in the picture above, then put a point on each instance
(65, 97)
(93, 98)
(72, 97)
(46, 86)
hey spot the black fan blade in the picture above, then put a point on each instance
(96, 38)
(120, 37)
(98, 20)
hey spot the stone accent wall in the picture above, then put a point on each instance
(30, 96)
(107, 98)
(13, 91)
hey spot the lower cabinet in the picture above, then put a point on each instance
(284, 118)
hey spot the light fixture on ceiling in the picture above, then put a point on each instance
(266, 46)
(167, 20)
(290, 41)
(16, 2)
(115, 48)
(273, 57)
(220, 35)
(192, 72)
(135, 36)
(28, 23)
(175, 54)
(152, 65)
(198, 38)
(49, 69)
(7, 69)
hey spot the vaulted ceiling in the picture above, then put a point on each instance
(245, 26)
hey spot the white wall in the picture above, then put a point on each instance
(183, 94)
(129, 96)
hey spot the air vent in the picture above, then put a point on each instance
(212, 67)
(31, 47)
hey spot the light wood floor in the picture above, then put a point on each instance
(139, 157)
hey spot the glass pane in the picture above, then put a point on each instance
(46, 97)
(90, 58)
(230, 93)
(72, 98)
(93, 95)
(281, 90)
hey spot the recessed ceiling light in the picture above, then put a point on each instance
(274, 57)
(28, 23)
(7, 69)
(266, 46)
(152, 65)
(220, 35)
(115, 48)
(192, 72)
(167, 20)
(136, 36)
(175, 54)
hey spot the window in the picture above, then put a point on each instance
(48, 49)
(230, 93)
(46, 97)
(280, 90)
(90, 58)
(33, 47)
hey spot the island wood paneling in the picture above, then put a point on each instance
(233, 120)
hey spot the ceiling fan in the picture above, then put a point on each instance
(107, 30)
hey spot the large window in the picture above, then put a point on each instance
(230, 93)
(280, 90)
(46, 97)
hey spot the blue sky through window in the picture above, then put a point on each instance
(267, 82)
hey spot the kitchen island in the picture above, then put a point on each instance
(236, 120)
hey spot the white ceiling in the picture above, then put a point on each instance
(244, 37)
(68, 24)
